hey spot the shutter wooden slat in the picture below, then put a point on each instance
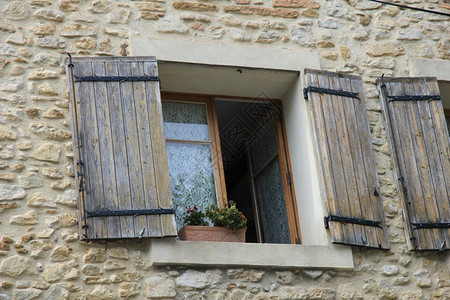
(132, 142)
(123, 200)
(345, 157)
(362, 162)
(439, 209)
(413, 181)
(324, 157)
(339, 147)
(426, 158)
(350, 146)
(93, 170)
(419, 146)
(123, 155)
(106, 150)
(159, 149)
(145, 149)
(414, 156)
(79, 139)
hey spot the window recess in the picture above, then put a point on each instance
(248, 162)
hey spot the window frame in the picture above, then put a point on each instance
(216, 151)
(282, 148)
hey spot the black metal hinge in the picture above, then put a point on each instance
(413, 98)
(328, 91)
(116, 78)
(130, 212)
(430, 225)
(351, 220)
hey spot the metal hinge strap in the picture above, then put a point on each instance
(413, 98)
(430, 225)
(116, 78)
(328, 91)
(351, 220)
(132, 212)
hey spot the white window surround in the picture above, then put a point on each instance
(434, 68)
(194, 67)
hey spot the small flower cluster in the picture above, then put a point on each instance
(195, 217)
(229, 216)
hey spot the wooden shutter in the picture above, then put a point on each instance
(348, 173)
(119, 148)
(419, 144)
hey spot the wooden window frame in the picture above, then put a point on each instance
(447, 112)
(283, 153)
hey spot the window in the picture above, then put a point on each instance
(229, 148)
(123, 171)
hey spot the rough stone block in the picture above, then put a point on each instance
(171, 25)
(50, 14)
(296, 3)
(119, 16)
(40, 200)
(43, 74)
(101, 292)
(14, 266)
(160, 285)
(385, 49)
(119, 252)
(129, 289)
(28, 218)
(100, 6)
(262, 11)
(95, 255)
(17, 10)
(12, 85)
(77, 29)
(193, 279)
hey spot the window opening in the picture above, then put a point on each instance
(252, 167)
(223, 150)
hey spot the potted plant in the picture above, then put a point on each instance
(229, 224)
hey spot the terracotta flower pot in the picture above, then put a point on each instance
(211, 234)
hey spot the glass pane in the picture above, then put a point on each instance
(269, 188)
(191, 177)
(185, 121)
(264, 145)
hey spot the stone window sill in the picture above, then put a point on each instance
(167, 251)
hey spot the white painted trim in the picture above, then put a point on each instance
(430, 68)
(224, 55)
(306, 182)
(171, 252)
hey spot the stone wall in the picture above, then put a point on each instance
(40, 254)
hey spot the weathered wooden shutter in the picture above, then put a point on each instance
(349, 179)
(119, 147)
(419, 143)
